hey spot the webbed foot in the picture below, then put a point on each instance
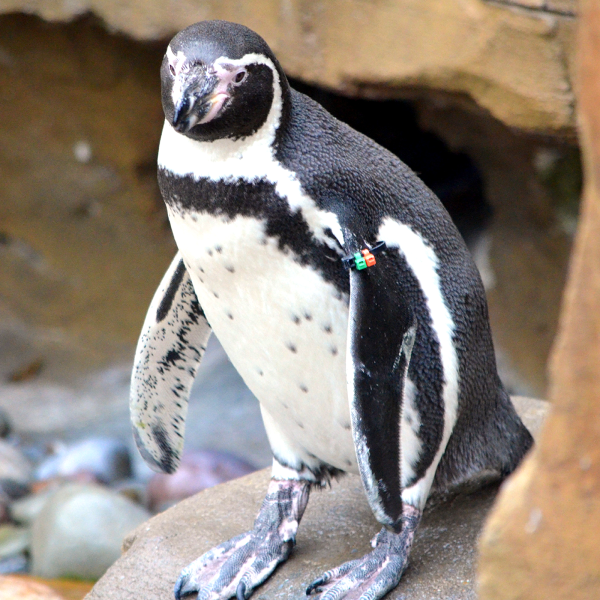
(375, 574)
(236, 567)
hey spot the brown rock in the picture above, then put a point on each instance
(199, 469)
(541, 540)
(513, 58)
(337, 526)
(21, 588)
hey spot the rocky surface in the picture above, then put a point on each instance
(105, 459)
(336, 527)
(541, 540)
(512, 57)
(78, 532)
(35, 588)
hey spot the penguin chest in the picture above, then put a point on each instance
(283, 326)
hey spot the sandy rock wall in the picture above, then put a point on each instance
(542, 538)
(512, 57)
(83, 230)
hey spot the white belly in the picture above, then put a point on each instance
(284, 329)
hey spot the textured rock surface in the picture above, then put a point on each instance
(24, 587)
(79, 531)
(511, 57)
(19, 588)
(541, 540)
(336, 527)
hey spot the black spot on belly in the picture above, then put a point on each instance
(219, 249)
(291, 347)
(303, 388)
(327, 328)
(200, 269)
(348, 462)
(299, 424)
(346, 426)
(296, 319)
(333, 350)
(260, 372)
(308, 316)
(210, 252)
(230, 268)
(215, 294)
(230, 315)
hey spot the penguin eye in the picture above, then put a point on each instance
(172, 69)
(239, 77)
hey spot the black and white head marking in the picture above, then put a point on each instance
(213, 88)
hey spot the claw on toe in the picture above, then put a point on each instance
(240, 592)
(180, 590)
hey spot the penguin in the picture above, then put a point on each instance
(342, 293)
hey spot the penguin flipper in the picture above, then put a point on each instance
(168, 354)
(380, 339)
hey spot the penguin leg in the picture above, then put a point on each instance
(380, 341)
(373, 575)
(235, 568)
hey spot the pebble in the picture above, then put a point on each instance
(105, 459)
(14, 564)
(199, 469)
(27, 509)
(22, 588)
(79, 531)
(14, 467)
(13, 540)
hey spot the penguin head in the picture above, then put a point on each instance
(220, 80)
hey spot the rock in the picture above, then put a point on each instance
(199, 470)
(512, 61)
(13, 540)
(25, 510)
(13, 464)
(17, 563)
(79, 531)
(541, 540)
(21, 588)
(106, 459)
(336, 527)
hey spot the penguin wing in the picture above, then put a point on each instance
(168, 354)
(380, 339)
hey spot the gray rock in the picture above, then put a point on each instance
(337, 527)
(79, 531)
(25, 510)
(13, 540)
(13, 464)
(105, 458)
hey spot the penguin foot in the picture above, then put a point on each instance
(375, 574)
(236, 567)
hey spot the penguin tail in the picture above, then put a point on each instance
(488, 437)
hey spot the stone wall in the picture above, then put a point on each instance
(542, 538)
(513, 57)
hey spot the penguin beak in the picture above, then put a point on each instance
(198, 102)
